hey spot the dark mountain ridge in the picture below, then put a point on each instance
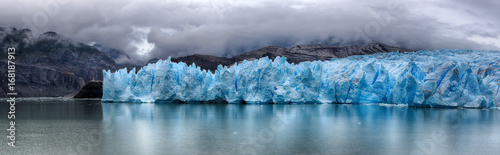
(296, 54)
(50, 65)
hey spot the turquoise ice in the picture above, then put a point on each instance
(443, 78)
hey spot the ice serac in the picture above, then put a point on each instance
(443, 78)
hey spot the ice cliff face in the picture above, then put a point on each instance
(444, 78)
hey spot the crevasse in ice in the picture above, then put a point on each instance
(443, 78)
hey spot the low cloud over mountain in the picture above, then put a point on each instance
(153, 28)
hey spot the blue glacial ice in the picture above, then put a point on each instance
(443, 78)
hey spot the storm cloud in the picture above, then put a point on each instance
(162, 28)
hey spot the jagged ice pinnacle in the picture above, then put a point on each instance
(443, 78)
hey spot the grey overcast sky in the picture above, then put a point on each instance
(161, 28)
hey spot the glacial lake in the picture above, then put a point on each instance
(47, 126)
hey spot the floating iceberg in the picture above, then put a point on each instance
(443, 78)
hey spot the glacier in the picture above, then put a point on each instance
(441, 78)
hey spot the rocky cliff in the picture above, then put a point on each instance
(93, 89)
(49, 65)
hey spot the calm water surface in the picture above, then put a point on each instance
(92, 127)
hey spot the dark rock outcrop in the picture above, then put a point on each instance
(93, 89)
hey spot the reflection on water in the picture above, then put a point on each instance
(127, 128)
(295, 129)
(54, 127)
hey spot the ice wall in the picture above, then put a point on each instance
(443, 78)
